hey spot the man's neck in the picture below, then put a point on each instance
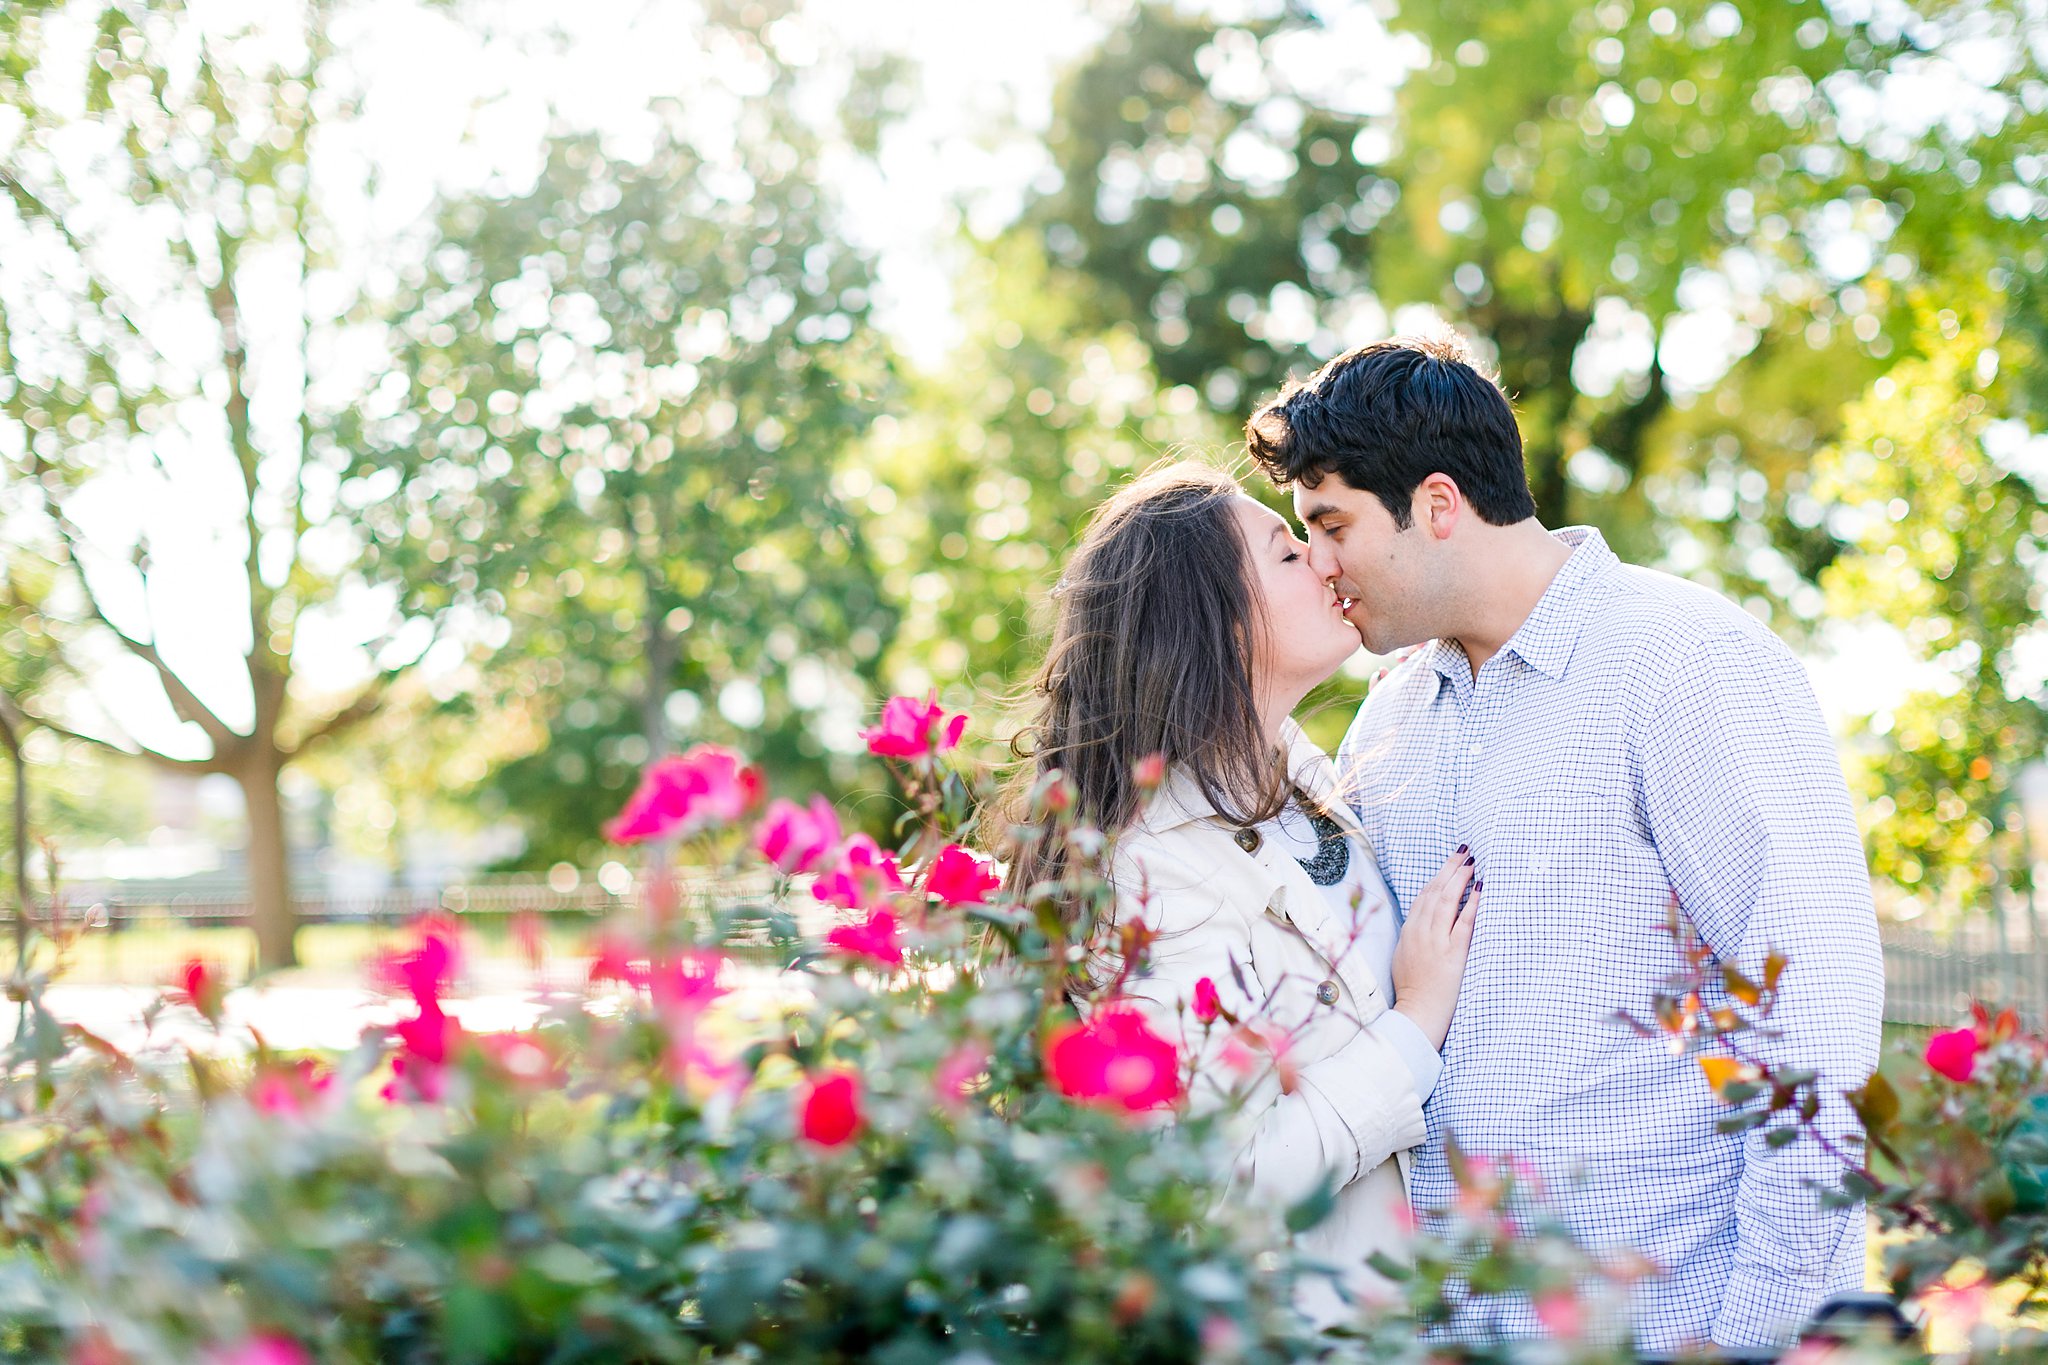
(1521, 563)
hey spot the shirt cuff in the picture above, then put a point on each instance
(1407, 1039)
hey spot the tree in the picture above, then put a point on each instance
(632, 384)
(977, 489)
(1595, 191)
(168, 313)
(1944, 543)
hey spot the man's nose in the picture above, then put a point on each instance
(1322, 557)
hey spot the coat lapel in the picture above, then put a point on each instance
(1273, 878)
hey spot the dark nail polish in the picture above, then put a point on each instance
(1468, 860)
(1479, 886)
(1463, 847)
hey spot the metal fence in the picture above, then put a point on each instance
(122, 937)
(1930, 979)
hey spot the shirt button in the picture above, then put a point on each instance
(1327, 993)
(1473, 750)
(1247, 839)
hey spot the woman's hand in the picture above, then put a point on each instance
(1429, 960)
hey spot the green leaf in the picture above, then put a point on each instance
(1398, 1271)
(1875, 1103)
(1313, 1209)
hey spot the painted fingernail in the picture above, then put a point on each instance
(1478, 886)
(1461, 848)
(1468, 860)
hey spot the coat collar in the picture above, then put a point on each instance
(1179, 800)
(1266, 875)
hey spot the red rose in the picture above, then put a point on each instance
(1114, 1059)
(828, 1111)
(1953, 1054)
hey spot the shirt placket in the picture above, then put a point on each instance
(1451, 808)
(1483, 705)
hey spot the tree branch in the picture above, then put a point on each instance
(366, 704)
(34, 208)
(186, 766)
(184, 701)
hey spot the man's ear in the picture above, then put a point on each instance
(1438, 506)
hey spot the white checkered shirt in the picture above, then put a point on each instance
(1638, 735)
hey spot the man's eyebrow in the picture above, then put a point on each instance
(1318, 512)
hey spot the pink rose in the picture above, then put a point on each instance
(914, 729)
(200, 985)
(796, 839)
(959, 878)
(430, 966)
(1206, 1004)
(680, 795)
(289, 1091)
(859, 876)
(957, 1072)
(685, 983)
(267, 1348)
(873, 940)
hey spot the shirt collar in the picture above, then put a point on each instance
(1545, 640)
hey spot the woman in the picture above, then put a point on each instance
(1190, 625)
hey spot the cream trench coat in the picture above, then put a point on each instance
(1215, 894)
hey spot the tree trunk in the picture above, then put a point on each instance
(271, 913)
(663, 650)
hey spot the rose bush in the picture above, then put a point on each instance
(893, 1167)
(923, 1153)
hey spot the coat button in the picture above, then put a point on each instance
(1247, 839)
(1327, 993)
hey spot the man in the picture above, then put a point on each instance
(1603, 736)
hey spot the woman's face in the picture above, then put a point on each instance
(1306, 637)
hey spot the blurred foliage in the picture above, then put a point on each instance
(1945, 545)
(641, 454)
(1592, 191)
(979, 486)
(620, 398)
(1694, 238)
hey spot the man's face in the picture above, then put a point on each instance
(1355, 545)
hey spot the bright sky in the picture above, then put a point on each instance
(446, 112)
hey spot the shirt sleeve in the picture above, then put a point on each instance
(1743, 795)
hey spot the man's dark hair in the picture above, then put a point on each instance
(1386, 416)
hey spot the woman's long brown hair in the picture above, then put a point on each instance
(1154, 627)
